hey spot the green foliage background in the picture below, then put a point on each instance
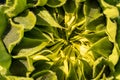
(60, 40)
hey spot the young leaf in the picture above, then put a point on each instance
(44, 18)
(72, 73)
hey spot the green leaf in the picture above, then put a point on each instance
(35, 3)
(95, 36)
(30, 66)
(39, 57)
(80, 18)
(28, 47)
(109, 9)
(15, 7)
(117, 72)
(14, 70)
(3, 23)
(112, 2)
(44, 18)
(59, 40)
(70, 6)
(13, 36)
(118, 32)
(91, 11)
(37, 34)
(67, 51)
(102, 47)
(109, 12)
(96, 24)
(27, 19)
(17, 78)
(45, 75)
(74, 16)
(55, 48)
(77, 71)
(5, 59)
(114, 57)
(100, 73)
(57, 13)
(71, 9)
(99, 68)
(58, 68)
(2, 77)
(55, 3)
(94, 18)
(87, 69)
(41, 2)
(45, 65)
(111, 30)
(72, 72)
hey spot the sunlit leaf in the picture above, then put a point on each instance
(13, 36)
(28, 20)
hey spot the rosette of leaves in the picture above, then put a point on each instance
(59, 40)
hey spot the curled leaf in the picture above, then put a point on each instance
(109, 9)
(34, 3)
(15, 7)
(13, 36)
(27, 19)
(41, 2)
(111, 30)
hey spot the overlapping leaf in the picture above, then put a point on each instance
(59, 40)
